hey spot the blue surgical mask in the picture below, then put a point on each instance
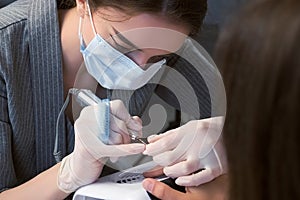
(111, 68)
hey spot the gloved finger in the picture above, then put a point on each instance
(167, 158)
(161, 190)
(118, 109)
(182, 168)
(88, 130)
(98, 149)
(115, 138)
(165, 143)
(114, 159)
(154, 138)
(121, 150)
(119, 126)
(137, 120)
(135, 124)
(196, 179)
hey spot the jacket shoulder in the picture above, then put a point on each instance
(13, 13)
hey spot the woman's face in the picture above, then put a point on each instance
(139, 37)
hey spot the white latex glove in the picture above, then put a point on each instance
(85, 163)
(122, 123)
(185, 150)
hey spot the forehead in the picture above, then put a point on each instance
(147, 30)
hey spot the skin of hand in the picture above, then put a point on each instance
(214, 190)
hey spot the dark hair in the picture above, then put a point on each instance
(259, 56)
(189, 12)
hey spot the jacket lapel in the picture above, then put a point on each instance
(47, 79)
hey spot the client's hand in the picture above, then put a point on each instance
(193, 152)
(97, 130)
(214, 190)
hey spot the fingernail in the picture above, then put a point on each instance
(145, 152)
(141, 148)
(136, 125)
(151, 137)
(148, 185)
(182, 181)
(137, 148)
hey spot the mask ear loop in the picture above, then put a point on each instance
(91, 17)
(81, 22)
(80, 31)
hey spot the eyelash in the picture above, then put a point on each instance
(121, 48)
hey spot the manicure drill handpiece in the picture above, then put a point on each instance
(86, 98)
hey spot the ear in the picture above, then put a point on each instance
(81, 8)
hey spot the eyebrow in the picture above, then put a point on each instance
(124, 39)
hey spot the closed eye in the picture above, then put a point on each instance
(121, 48)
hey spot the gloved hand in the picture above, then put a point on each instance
(185, 150)
(85, 163)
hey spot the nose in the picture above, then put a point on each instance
(139, 57)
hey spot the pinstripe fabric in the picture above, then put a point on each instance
(46, 66)
(31, 90)
(16, 122)
(198, 87)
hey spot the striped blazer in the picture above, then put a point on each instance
(31, 90)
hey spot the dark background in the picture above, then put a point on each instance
(219, 11)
